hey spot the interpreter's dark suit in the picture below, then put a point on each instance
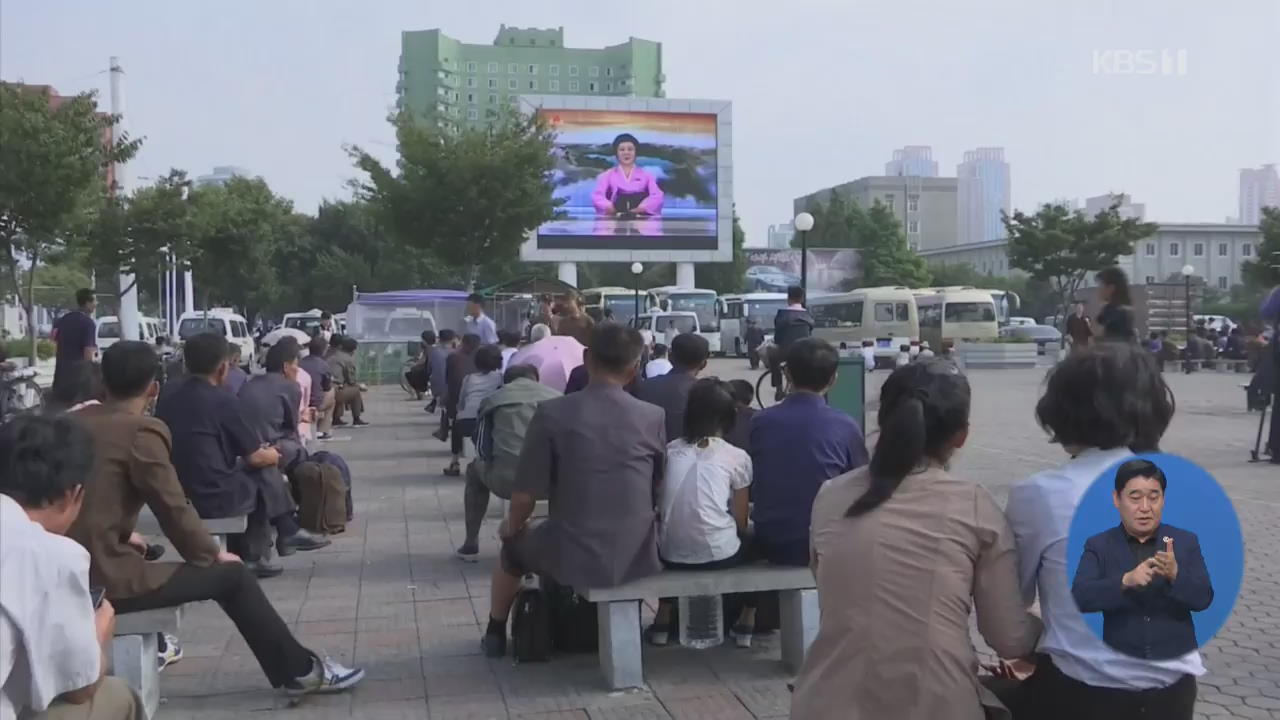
(1154, 621)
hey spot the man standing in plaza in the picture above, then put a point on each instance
(670, 392)
(1079, 327)
(572, 321)
(598, 455)
(754, 338)
(76, 335)
(479, 323)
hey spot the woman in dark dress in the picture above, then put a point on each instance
(1115, 322)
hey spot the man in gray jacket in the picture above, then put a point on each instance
(502, 420)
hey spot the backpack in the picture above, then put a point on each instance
(336, 460)
(321, 495)
(531, 626)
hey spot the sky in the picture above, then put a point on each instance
(823, 91)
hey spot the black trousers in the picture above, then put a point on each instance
(236, 589)
(1050, 695)
(1274, 438)
(463, 429)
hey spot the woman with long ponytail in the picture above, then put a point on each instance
(902, 551)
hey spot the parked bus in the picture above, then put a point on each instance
(735, 310)
(884, 315)
(621, 301)
(703, 303)
(1007, 302)
(955, 314)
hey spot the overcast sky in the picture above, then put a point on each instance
(823, 90)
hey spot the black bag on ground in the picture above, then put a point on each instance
(531, 626)
(575, 625)
(321, 496)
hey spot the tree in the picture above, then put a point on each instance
(887, 259)
(1263, 272)
(53, 156)
(469, 196)
(834, 224)
(727, 277)
(1060, 247)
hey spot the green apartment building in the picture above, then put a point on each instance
(459, 84)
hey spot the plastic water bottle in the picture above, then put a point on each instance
(701, 621)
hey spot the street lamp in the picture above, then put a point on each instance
(1187, 272)
(803, 224)
(636, 269)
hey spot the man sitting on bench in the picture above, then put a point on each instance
(132, 468)
(53, 641)
(598, 456)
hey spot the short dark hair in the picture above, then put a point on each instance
(447, 335)
(488, 358)
(743, 393)
(470, 342)
(1139, 468)
(1116, 278)
(317, 346)
(335, 340)
(614, 348)
(626, 137)
(509, 338)
(88, 383)
(711, 410)
(515, 372)
(429, 337)
(84, 296)
(43, 457)
(326, 315)
(476, 298)
(795, 294)
(128, 369)
(349, 344)
(812, 362)
(203, 353)
(659, 350)
(281, 354)
(689, 351)
(1109, 395)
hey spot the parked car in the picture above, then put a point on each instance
(1042, 335)
(766, 278)
(1021, 322)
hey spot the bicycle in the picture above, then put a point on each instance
(765, 383)
(19, 393)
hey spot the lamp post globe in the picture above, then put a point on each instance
(803, 223)
(636, 268)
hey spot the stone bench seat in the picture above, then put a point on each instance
(219, 528)
(618, 611)
(134, 651)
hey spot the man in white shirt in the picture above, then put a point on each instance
(478, 322)
(659, 365)
(671, 333)
(53, 642)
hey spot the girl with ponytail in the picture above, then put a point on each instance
(902, 551)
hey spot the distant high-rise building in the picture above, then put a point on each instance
(780, 236)
(221, 174)
(983, 192)
(1127, 209)
(925, 207)
(912, 160)
(459, 84)
(1258, 189)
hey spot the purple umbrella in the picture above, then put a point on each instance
(555, 357)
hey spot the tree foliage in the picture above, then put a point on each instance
(1060, 247)
(1263, 272)
(875, 232)
(467, 197)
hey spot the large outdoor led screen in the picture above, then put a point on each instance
(633, 180)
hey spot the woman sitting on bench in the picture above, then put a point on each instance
(705, 500)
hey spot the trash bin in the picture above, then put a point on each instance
(849, 394)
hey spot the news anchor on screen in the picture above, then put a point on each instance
(626, 189)
(1145, 577)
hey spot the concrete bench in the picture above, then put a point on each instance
(134, 651)
(220, 528)
(618, 610)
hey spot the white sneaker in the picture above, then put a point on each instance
(171, 653)
(327, 677)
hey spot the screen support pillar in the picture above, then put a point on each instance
(568, 273)
(684, 275)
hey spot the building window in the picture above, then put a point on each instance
(1174, 249)
(889, 201)
(1151, 279)
(608, 86)
(533, 69)
(493, 83)
(1246, 250)
(473, 67)
(595, 71)
(913, 227)
(471, 97)
(512, 68)
(608, 72)
(592, 86)
(573, 71)
(533, 84)
(493, 98)
(472, 82)
(1151, 249)
(913, 203)
(473, 114)
(553, 85)
(573, 86)
(1222, 282)
(553, 69)
(493, 67)
(1197, 250)
(512, 84)
(1222, 249)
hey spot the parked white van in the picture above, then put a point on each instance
(109, 334)
(223, 321)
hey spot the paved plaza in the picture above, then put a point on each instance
(388, 595)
